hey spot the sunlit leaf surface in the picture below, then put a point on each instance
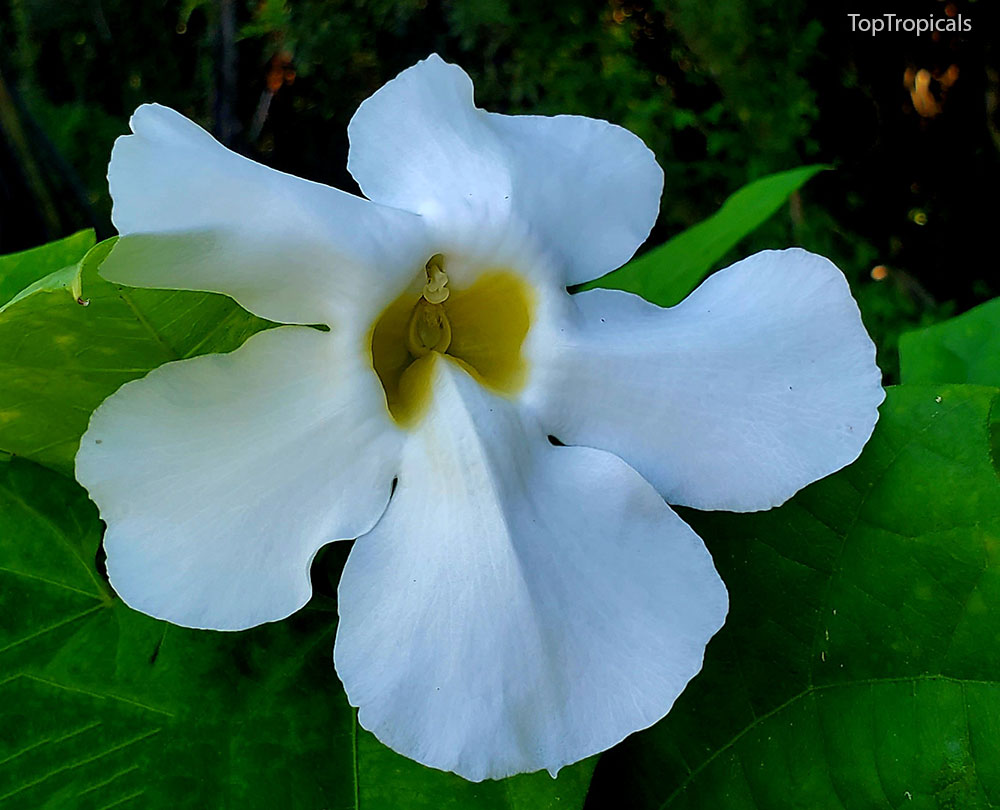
(69, 339)
(21, 270)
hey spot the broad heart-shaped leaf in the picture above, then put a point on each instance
(20, 270)
(965, 349)
(69, 339)
(666, 274)
(860, 664)
(102, 707)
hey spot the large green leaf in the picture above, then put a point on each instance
(860, 665)
(20, 270)
(102, 707)
(666, 274)
(965, 349)
(69, 339)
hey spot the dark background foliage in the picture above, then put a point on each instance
(722, 90)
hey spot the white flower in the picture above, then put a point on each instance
(510, 605)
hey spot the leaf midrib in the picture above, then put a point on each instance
(171, 352)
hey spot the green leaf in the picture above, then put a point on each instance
(67, 280)
(965, 349)
(101, 706)
(860, 665)
(666, 274)
(20, 270)
(69, 339)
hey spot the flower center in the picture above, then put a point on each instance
(482, 327)
(429, 330)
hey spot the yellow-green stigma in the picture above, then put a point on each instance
(436, 289)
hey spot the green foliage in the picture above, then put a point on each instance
(69, 339)
(744, 42)
(19, 271)
(965, 349)
(666, 274)
(858, 666)
(100, 705)
(667, 71)
(66, 280)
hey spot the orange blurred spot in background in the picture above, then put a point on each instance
(920, 94)
(921, 85)
(279, 71)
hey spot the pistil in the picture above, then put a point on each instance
(428, 330)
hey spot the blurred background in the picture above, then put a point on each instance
(723, 91)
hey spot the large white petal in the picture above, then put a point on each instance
(221, 476)
(196, 216)
(519, 606)
(762, 381)
(583, 189)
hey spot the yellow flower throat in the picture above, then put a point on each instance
(481, 327)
